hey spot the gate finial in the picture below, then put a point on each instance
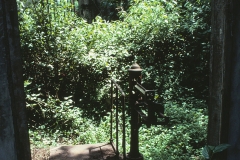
(135, 67)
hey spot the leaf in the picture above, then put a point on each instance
(211, 147)
(205, 152)
(220, 148)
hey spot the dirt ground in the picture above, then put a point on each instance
(40, 153)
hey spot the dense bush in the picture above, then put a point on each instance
(66, 57)
(182, 138)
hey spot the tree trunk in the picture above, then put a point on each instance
(224, 100)
(14, 140)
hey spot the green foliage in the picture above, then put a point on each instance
(68, 65)
(208, 151)
(68, 57)
(181, 139)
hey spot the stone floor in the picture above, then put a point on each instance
(100, 151)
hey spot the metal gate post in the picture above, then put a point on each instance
(135, 75)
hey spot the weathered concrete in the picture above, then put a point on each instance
(224, 102)
(7, 140)
(14, 140)
(234, 119)
(220, 69)
(100, 151)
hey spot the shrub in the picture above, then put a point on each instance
(66, 57)
(182, 138)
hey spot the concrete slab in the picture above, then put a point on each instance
(100, 151)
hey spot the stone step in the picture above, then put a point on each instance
(99, 151)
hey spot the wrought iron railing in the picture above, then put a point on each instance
(115, 104)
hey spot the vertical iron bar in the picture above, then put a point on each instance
(123, 117)
(111, 119)
(115, 88)
(117, 120)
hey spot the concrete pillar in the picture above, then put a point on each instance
(14, 140)
(224, 100)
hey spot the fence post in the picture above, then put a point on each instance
(135, 75)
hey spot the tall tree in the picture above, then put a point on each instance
(14, 139)
(224, 106)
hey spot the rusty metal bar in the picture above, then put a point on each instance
(117, 152)
(111, 119)
(124, 131)
(118, 90)
(141, 89)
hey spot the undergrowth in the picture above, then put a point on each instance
(182, 138)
